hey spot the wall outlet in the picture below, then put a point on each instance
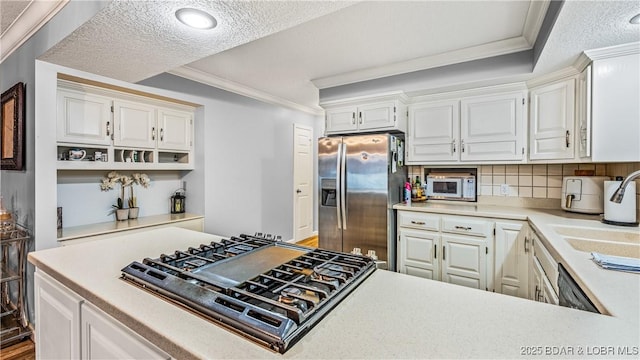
(504, 189)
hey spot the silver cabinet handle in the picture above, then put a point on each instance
(566, 138)
(108, 129)
(526, 245)
(161, 134)
(360, 115)
(353, 117)
(417, 222)
(444, 253)
(453, 145)
(153, 133)
(462, 144)
(465, 228)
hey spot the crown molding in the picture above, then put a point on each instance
(613, 51)
(554, 76)
(533, 22)
(237, 88)
(492, 49)
(34, 16)
(389, 95)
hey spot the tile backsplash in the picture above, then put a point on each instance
(535, 181)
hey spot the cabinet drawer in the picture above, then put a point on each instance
(548, 263)
(467, 226)
(417, 220)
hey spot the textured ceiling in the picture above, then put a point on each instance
(9, 11)
(369, 35)
(132, 40)
(584, 25)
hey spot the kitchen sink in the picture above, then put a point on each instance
(606, 247)
(624, 243)
(630, 236)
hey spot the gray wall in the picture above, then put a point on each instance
(18, 187)
(248, 159)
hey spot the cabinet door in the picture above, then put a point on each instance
(548, 294)
(433, 131)
(552, 121)
(464, 261)
(377, 116)
(511, 259)
(58, 319)
(104, 338)
(83, 118)
(135, 124)
(492, 127)
(583, 113)
(174, 131)
(341, 119)
(418, 254)
(535, 280)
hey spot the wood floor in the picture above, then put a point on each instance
(311, 242)
(25, 350)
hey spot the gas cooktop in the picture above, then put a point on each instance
(267, 290)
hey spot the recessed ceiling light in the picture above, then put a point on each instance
(196, 18)
(635, 19)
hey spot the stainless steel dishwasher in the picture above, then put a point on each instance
(570, 293)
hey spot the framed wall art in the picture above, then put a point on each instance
(12, 131)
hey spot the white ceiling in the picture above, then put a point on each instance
(284, 51)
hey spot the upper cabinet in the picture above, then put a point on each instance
(386, 112)
(583, 114)
(83, 118)
(615, 90)
(104, 129)
(552, 121)
(488, 127)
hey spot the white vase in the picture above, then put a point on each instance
(122, 214)
(133, 212)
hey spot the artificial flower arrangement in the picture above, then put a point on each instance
(113, 178)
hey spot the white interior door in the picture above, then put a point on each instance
(302, 182)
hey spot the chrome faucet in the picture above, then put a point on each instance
(619, 193)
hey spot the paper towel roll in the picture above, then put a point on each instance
(625, 212)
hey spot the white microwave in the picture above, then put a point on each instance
(441, 186)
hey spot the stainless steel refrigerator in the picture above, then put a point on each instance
(360, 179)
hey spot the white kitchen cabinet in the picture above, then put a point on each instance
(135, 124)
(83, 118)
(583, 113)
(552, 121)
(75, 329)
(385, 112)
(468, 129)
(131, 132)
(511, 260)
(434, 247)
(615, 107)
(174, 129)
(492, 127)
(543, 280)
(57, 314)
(433, 133)
(104, 338)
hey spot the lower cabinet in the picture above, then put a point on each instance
(441, 252)
(543, 280)
(481, 253)
(511, 264)
(69, 327)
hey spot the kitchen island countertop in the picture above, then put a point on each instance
(389, 315)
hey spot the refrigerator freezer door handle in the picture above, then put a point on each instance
(338, 188)
(343, 173)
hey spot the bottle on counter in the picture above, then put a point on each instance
(407, 192)
(418, 187)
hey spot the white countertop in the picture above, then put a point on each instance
(390, 315)
(75, 232)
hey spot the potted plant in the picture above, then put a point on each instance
(136, 179)
(109, 183)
